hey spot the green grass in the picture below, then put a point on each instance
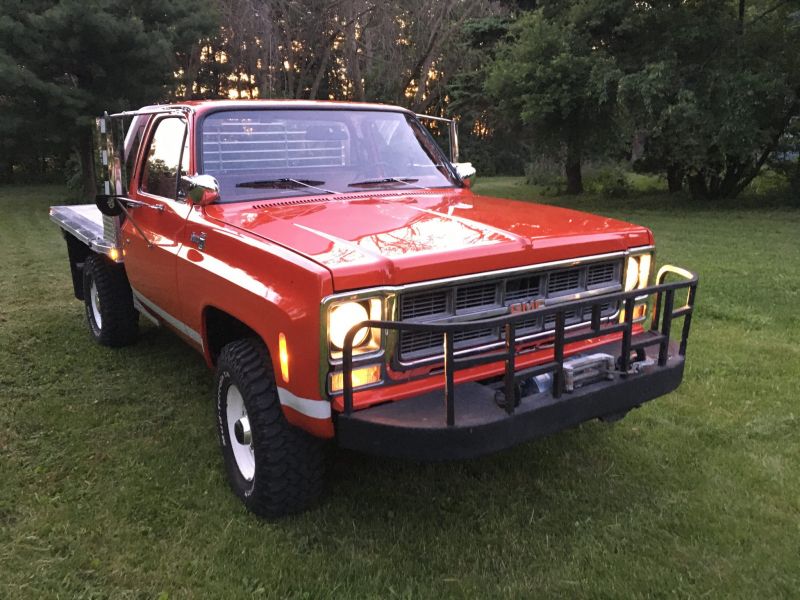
(111, 483)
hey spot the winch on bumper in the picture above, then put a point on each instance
(477, 418)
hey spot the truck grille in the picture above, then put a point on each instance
(489, 297)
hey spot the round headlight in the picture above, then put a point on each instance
(343, 317)
(631, 274)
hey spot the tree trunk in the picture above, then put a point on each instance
(321, 70)
(740, 24)
(353, 62)
(675, 177)
(572, 168)
(698, 187)
(85, 152)
(6, 171)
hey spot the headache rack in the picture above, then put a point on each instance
(663, 314)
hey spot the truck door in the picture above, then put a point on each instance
(151, 250)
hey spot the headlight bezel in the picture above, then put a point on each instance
(380, 303)
(373, 308)
(641, 262)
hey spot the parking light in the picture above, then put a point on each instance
(283, 355)
(360, 377)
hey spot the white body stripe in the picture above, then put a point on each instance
(177, 324)
(316, 409)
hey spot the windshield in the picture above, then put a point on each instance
(261, 154)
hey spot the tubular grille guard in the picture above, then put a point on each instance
(664, 313)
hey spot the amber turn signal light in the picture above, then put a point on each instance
(360, 377)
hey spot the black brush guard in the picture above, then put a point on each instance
(404, 428)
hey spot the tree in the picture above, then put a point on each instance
(401, 51)
(710, 88)
(487, 140)
(61, 62)
(559, 84)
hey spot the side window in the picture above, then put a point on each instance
(167, 153)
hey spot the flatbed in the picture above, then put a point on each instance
(87, 224)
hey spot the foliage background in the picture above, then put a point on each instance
(700, 92)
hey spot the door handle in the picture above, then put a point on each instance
(199, 239)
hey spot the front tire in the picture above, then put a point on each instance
(108, 299)
(275, 468)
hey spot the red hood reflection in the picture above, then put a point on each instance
(377, 239)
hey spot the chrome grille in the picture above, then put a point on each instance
(479, 299)
(599, 274)
(523, 288)
(563, 282)
(473, 297)
(423, 304)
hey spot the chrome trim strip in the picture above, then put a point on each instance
(572, 262)
(177, 324)
(315, 409)
(144, 311)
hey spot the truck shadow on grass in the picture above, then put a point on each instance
(509, 517)
(579, 470)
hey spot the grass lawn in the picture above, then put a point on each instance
(111, 483)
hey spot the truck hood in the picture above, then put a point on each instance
(393, 238)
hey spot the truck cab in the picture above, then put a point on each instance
(333, 265)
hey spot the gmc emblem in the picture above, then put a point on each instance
(521, 307)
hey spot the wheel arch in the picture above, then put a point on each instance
(221, 327)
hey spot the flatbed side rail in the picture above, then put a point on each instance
(85, 223)
(663, 314)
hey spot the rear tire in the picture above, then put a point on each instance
(276, 469)
(107, 296)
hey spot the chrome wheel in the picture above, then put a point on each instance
(95, 300)
(239, 433)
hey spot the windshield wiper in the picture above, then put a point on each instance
(404, 180)
(285, 183)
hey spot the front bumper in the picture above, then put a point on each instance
(416, 428)
(470, 423)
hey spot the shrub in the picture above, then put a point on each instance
(547, 174)
(609, 180)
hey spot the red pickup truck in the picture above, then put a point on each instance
(333, 266)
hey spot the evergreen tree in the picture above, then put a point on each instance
(62, 62)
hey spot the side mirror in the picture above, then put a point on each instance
(200, 189)
(466, 173)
